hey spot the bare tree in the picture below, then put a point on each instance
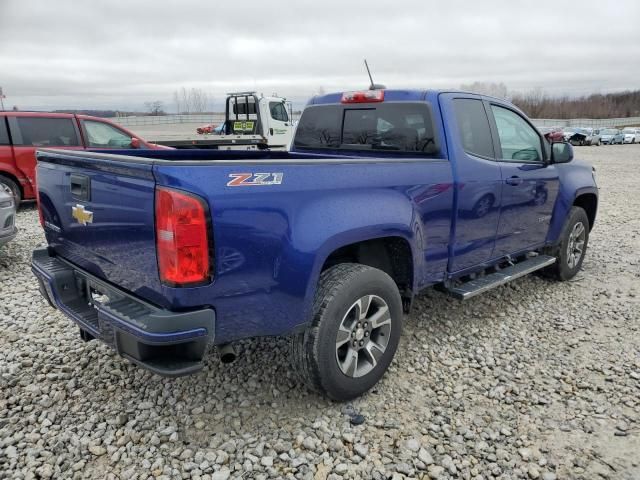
(498, 90)
(194, 100)
(154, 108)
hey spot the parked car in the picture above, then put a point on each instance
(211, 129)
(22, 132)
(582, 136)
(631, 135)
(163, 255)
(8, 228)
(611, 136)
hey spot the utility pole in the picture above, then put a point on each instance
(2, 97)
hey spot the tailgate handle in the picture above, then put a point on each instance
(80, 187)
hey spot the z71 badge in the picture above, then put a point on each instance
(254, 179)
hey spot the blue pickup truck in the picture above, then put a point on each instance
(163, 254)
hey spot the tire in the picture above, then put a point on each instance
(318, 357)
(568, 265)
(11, 187)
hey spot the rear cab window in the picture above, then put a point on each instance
(394, 127)
(46, 132)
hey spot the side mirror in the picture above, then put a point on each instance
(135, 142)
(561, 152)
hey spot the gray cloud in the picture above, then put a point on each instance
(119, 54)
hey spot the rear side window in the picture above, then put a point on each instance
(278, 112)
(473, 125)
(4, 132)
(401, 127)
(47, 132)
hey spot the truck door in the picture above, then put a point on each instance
(530, 185)
(279, 123)
(478, 182)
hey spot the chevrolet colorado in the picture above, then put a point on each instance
(162, 254)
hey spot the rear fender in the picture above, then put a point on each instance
(385, 213)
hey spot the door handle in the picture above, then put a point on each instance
(80, 186)
(515, 180)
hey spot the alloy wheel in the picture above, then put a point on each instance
(575, 245)
(363, 336)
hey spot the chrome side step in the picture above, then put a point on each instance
(474, 287)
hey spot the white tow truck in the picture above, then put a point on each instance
(251, 122)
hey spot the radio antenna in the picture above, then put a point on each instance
(372, 86)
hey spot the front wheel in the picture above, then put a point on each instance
(571, 251)
(354, 333)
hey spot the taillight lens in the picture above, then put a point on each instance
(182, 238)
(366, 96)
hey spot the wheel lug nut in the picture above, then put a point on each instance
(359, 325)
(366, 334)
(361, 343)
(365, 324)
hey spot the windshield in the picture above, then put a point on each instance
(609, 131)
(400, 127)
(628, 130)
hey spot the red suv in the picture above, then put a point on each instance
(22, 132)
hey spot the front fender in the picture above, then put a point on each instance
(575, 179)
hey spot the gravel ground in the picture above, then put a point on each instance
(533, 380)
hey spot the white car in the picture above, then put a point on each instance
(631, 135)
(7, 217)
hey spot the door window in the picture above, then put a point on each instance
(4, 132)
(473, 124)
(518, 140)
(278, 112)
(103, 135)
(47, 132)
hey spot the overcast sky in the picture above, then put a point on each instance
(119, 54)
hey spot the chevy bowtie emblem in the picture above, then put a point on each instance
(81, 215)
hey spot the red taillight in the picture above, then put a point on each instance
(366, 96)
(182, 238)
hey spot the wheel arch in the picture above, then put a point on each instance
(589, 203)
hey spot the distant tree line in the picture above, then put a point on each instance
(538, 104)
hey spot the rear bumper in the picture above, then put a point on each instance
(165, 342)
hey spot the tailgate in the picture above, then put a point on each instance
(99, 215)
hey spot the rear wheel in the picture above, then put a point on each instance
(354, 333)
(572, 248)
(9, 186)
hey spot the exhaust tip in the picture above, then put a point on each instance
(227, 353)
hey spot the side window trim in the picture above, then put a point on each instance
(496, 138)
(493, 158)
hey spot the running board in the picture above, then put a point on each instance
(480, 285)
